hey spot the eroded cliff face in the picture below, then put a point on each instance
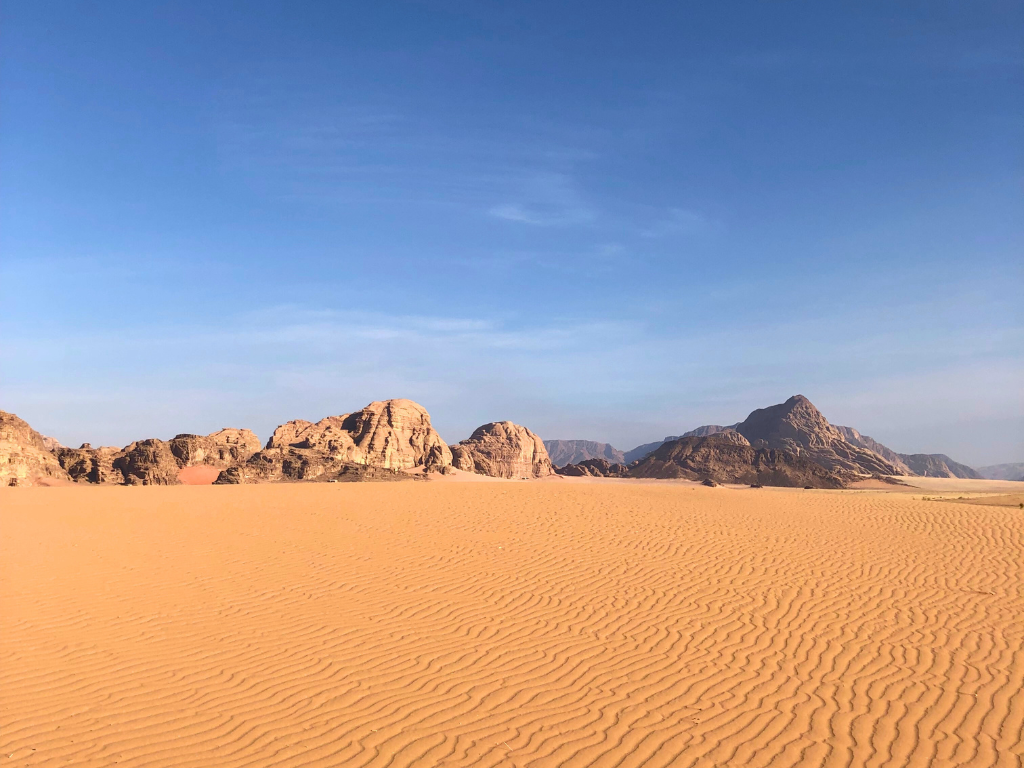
(384, 438)
(157, 462)
(797, 427)
(390, 434)
(503, 449)
(24, 457)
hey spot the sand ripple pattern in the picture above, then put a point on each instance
(507, 625)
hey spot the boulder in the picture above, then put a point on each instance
(503, 449)
(24, 457)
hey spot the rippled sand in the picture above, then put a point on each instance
(508, 624)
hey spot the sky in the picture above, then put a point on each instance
(604, 221)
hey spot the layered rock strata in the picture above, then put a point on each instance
(24, 457)
(503, 449)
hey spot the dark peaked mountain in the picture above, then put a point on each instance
(727, 457)
(642, 450)
(800, 428)
(562, 452)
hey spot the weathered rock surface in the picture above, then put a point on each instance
(798, 427)
(51, 443)
(723, 458)
(287, 465)
(24, 457)
(374, 443)
(563, 452)
(392, 434)
(863, 441)
(642, 450)
(503, 449)
(157, 462)
(593, 468)
(937, 465)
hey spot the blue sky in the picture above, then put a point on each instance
(604, 221)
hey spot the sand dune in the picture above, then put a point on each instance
(508, 624)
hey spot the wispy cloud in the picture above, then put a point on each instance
(678, 221)
(547, 199)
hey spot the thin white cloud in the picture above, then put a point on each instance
(547, 200)
(678, 221)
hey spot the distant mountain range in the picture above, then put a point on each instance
(564, 452)
(1003, 472)
(798, 427)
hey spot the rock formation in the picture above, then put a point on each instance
(24, 457)
(863, 441)
(642, 450)
(937, 465)
(563, 452)
(376, 442)
(391, 434)
(157, 462)
(593, 468)
(728, 458)
(503, 449)
(798, 427)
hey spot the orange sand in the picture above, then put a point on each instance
(507, 624)
(198, 475)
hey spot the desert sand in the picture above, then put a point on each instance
(508, 624)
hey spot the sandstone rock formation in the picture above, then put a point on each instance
(723, 458)
(937, 465)
(392, 434)
(376, 442)
(563, 452)
(24, 458)
(863, 441)
(798, 427)
(503, 449)
(593, 468)
(51, 443)
(157, 462)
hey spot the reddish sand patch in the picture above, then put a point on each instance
(199, 475)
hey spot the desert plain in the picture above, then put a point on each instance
(509, 624)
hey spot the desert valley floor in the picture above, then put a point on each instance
(508, 624)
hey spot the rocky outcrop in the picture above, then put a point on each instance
(503, 449)
(157, 462)
(289, 465)
(729, 458)
(863, 441)
(937, 465)
(642, 450)
(375, 443)
(391, 434)
(798, 427)
(563, 452)
(593, 468)
(24, 457)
